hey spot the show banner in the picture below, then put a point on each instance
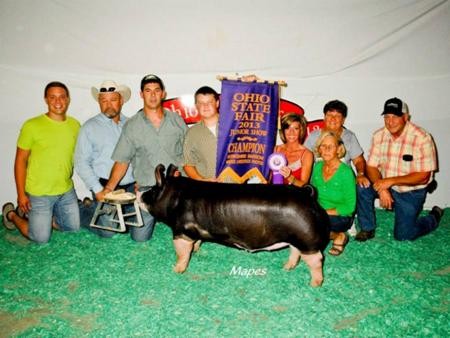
(247, 130)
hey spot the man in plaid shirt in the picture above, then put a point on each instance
(400, 166)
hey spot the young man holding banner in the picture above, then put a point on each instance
(200, 145)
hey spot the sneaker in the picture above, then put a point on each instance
(6, 209)
(363, 235)
(352, 231)
(20, 213)
(437, 213)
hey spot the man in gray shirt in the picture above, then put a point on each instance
(200, 145)
(152, 136)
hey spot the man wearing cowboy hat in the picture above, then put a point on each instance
(96, 141)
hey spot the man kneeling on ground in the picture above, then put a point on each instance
(401, 164)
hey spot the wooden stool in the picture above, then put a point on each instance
(112, 205)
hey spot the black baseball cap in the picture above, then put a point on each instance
(395, 106)
(151, 78)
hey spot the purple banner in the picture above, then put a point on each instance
(247, 130)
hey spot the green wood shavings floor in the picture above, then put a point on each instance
(80, 285)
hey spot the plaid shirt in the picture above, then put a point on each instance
(413, 151)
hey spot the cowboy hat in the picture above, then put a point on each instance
(110, 86)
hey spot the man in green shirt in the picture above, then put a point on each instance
(43, 171)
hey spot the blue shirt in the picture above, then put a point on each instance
(96, 142)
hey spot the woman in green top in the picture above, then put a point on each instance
(336, 187)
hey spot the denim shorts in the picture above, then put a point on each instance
(63, 207)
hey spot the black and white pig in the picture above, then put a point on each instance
(248, 216)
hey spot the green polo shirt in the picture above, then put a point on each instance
(144, 146)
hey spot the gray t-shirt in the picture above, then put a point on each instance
(144, 146)
(351, 144)
(200, 150)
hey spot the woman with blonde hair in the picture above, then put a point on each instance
(299, 158)
(336, 186)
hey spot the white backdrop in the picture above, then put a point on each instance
(359, 51)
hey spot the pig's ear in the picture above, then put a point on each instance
(159, 175)
(311, 190)
(171, 170)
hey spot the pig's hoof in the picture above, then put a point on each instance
(179, 269)
(316, 283)
(197, 246)
(289, 266)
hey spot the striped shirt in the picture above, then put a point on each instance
(413, 151)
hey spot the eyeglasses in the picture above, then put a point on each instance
(327, 146)
(110, 89)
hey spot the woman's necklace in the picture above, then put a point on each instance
(329, 169)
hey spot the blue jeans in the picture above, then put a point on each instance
(340, 223)
(63, 207)
(86, 213)
(143, 233)
(407, 207)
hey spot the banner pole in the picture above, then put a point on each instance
(256, 79)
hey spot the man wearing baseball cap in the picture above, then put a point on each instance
(96, 142)
(401, 163)
(153, 136)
